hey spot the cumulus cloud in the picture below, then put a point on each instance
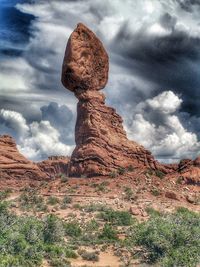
(168, 139)
(36, 140)
(152, 44)
(43, 142)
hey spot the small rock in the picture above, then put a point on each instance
(171, 195)
(191, 199)
(144, 214)
(134, 211)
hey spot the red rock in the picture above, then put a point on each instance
(197, 162)
(135, 211)
(171, 195)
(191, 171)
(101, 142)
(85, 65)
(54, 165)
(15, 165)
(191, 199)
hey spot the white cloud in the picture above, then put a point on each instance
(14, 121)
(43, 142)
(37, 140)
(166, 102)
(169, 139)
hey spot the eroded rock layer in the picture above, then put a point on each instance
(54, 165)
(15, 165)
(101, 142)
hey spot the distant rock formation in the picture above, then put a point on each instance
(101, 142)
(15, 165)
(54, 165)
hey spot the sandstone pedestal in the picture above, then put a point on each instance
(101, 142)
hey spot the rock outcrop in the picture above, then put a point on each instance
(15, 165)
(189, 170)
(54, 165)
(101, 142)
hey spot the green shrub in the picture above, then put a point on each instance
(113, 174)
(92, 226)
(155, 192)
(67, 200)
(120, 218)
(4, 194)
(128, 193)
(60, 263)
(72, 229)
(121, 170)
(53, 229)
(32, 201)
(64, 178)
(130, 168)
(159, 174)
(108, 233)
(53, 200)
(94, 207)
(170, 239)
(90, 256)
(179, 180)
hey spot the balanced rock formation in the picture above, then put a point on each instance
(15, 165)
(101, 142)
(54, 165)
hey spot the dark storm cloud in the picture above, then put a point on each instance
(188, 5)
(15, 28)
(61, 118)
(169, 61)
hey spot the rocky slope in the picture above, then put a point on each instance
(15, 165)
(101, 142)
(54, 165)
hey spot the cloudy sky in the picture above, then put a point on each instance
(154, 82)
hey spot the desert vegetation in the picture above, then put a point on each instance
(164, 239)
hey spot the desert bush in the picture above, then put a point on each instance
(155, 192)
(63, 178)
(90, 256)
(121, 170)
(130, 168)
(128, 193)
(120, 218)
(170, 239)
(72, 229)
(53, 229)
(53, 200)
(26, 241)
(108, 233)
(113, 174)
(4, 194)
(67, 200)
(92, 226)
(159, 174)
(93, 207)
(32, 201)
